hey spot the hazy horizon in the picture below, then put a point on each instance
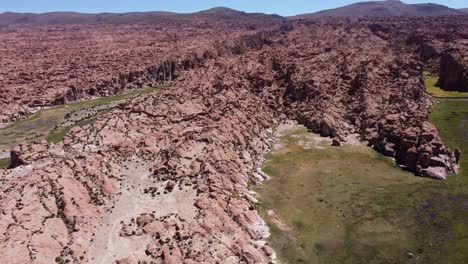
(283, 8)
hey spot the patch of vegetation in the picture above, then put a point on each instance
(451, 119)
(57, 136)
(118, 97)
(431, 82)
(361, 208)
(5, 163)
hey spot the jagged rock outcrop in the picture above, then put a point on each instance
(47, 66)
(380, 94)
(204, 138)
(453, 73)
(165, 177)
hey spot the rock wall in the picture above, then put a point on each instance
(453, 74)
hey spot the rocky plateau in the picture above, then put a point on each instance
(166, 176)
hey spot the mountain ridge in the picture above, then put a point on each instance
(359, 9)
(67, 17)
(384, 8)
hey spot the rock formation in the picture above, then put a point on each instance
(165, 177)
(46, 66)
(453, 73)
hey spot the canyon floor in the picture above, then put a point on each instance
(208, 140)
(327, 204)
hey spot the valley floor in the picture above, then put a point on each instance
(349, 204)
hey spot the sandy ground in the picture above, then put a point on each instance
(4, 154)
(307, 140)
(310, 140)
(353, 139)
(108, 246)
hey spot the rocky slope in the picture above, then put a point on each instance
(203, 137)
(385, 8)
(165, 178)
(381, 96)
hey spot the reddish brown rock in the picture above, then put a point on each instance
(170, 171)
(336, 143)
(453, 72)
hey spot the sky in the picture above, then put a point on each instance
(281, 7)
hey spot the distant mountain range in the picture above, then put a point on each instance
(62, 18)
(362, 9)
(386, 8)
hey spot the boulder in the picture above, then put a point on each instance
(453, 74)
(336, 142)
(438, 173)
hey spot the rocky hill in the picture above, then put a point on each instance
(385, 8)
(66, 18)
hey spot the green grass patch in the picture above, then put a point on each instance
(5, 163)
(352, 205)
(449, 117)
(57, 136)
(110, 99)
(431, 81)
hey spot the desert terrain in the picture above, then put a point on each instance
(168, 175)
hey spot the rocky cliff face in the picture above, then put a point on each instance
(453, 72)
(165, 178)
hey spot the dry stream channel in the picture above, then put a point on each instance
(350, 204)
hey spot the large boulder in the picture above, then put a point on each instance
(453, 73)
